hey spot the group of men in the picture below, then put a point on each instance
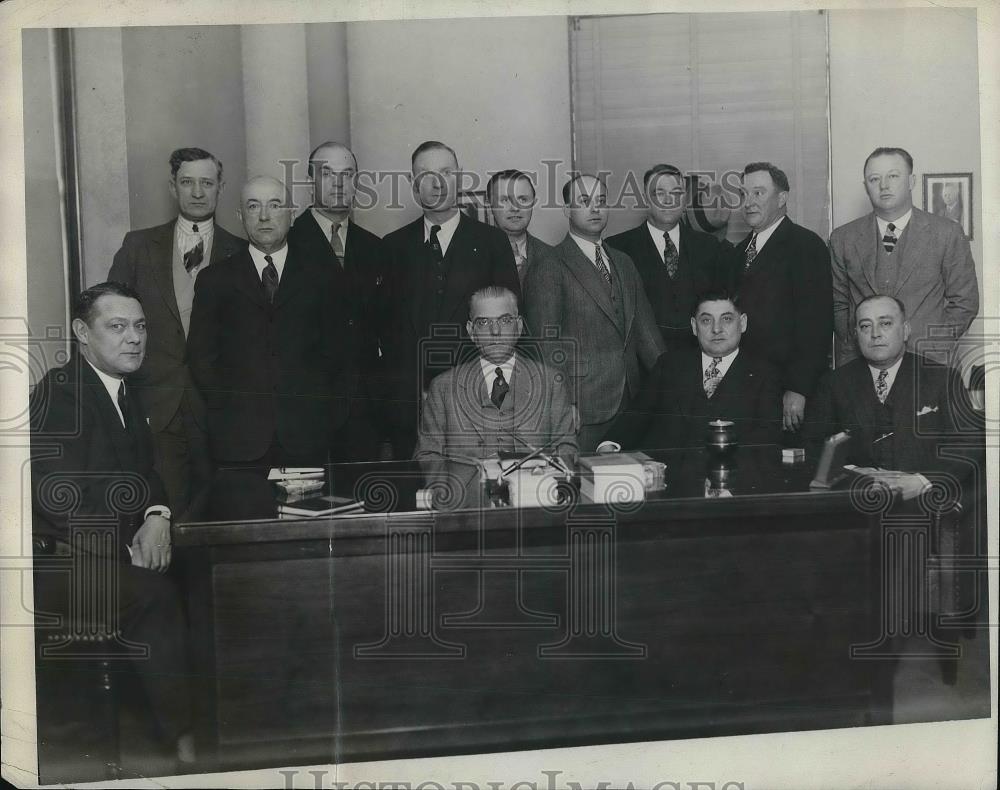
(315, 340)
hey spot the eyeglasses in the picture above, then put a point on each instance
(506, 321)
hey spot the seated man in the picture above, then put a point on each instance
(690, 387)
(501, 401)
(898, 407)
(94, 491)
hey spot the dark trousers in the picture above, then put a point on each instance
(151, 622)
(182, 460)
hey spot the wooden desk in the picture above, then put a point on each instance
(401, 633)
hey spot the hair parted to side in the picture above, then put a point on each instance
(85, 301)
(567, 189)
(181, 155)
(873, 297)
(513, 175)
(660, 169)
(493, 292)
(777, 174)
(716, 295)
(329, 144)
(889, 151)
(431, 145)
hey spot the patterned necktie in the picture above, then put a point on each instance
(712, 377)
(123, 404)
(269, 278)
(882, 386)
(670, 256)
(338, 247)
(889, 239)
(435, 244)
(519, 260)
(500, 388)
(602, 267)
(751, 253)
(194, 256)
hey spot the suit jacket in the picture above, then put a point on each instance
(145, 263)
(937, 282)
(459, 419)
(84, 462)
(787, 298)
(602, 347)
(700, 268)
(927, 406)
(266, 372)
(672, 409)
(478, 255)
(534, 249)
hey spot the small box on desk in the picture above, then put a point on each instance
(612, 478)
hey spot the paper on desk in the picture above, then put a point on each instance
(910, 485)
(295, 472)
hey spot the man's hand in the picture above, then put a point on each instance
(793, 408)
(151, 544)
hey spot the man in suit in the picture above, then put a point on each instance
(265, 341)
(90, 438)
(691, 386)
(591, 298)
(510, 195)
(921, 259)
(782, 273)
(676, 263)
(355, 259)
(501, 401)
(161, 264)
(436, 263)
(899, 407)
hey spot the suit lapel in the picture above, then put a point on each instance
(902, 389)
(917, 238)
(866, 252)
(587, 275)
(627, 294)
(866, 403)
(771, 251)
(458, 265)
(473, 383)
(293, 278)
(221, 246)
(730, 382)
(162, 243)
(120, 439)
(247, 279)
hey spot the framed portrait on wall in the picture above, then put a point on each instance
(473, 203)
(950, 195)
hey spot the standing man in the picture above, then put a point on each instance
(161, 264)
(782, 274)
(510, 195)
(592, 297)
(355, 260)
(676, 263)
(436, 263)
(897, 250)
(264, 343)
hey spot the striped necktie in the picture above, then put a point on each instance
(338, 247)
(602, 266)
(889, 239)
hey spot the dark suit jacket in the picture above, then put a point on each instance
(84, 462)
(937, 281)
(265, 373)
(535, 249)
(673, 411)
(478, 255)
(603, 347)
(927, 406)
(787, 296)
(145, 263)
(700, 268)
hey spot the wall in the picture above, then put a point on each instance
(890, 84)
(512, 77)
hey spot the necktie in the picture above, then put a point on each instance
(194, 256)
(751, 252)
(519, 259)
(670, 256)
(269, 278)
(123, 404)
(435, 244)
(889, 239)
(500, 388)
(602, 267)
(338, 247)
(882, 386)
(712, 377)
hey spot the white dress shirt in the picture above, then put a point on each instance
(899, 224)
(724, 364)
(186, 239)
(326, 225)
(448, 228)
(764, 235)
(490, 371)
(657, 235)
(589, 249)
(278, 257)
(889, 378)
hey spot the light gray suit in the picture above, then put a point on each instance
(936, 280)
(605, 340)
(459, 419)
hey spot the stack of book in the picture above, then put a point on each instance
(320, 507)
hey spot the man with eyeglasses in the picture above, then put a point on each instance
(510, 195)
(503, 400)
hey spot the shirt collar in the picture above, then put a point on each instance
(587, 248)
(490, 369)
(657, 234)
(326, 225)
(890, 373)
(278, 256)
(724, 364)
(899, 224)
(764, 235)
(519, 246)
(448, 227)
(206, 227)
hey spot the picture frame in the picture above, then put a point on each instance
(950, 195)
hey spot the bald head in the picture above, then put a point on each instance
(334, 170)
(266, 212)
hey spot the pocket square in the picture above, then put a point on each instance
(927, 410)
